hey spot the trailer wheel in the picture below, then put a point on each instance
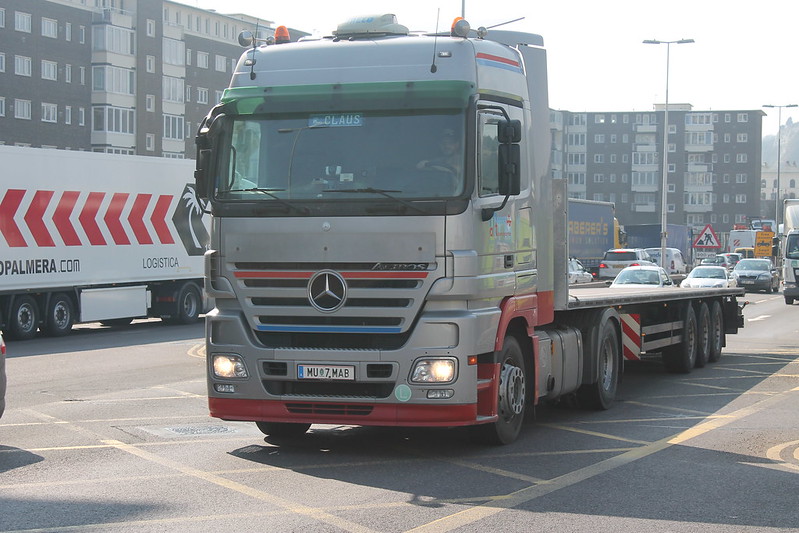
(681, 357)
(512, 398)
(704, 336)
(60, 315)
(604, 346)
(24, 318)
(788, 300)
(716, 332)
(187, 305)
(282, 429)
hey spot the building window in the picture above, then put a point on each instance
(672, 128)
(741, 178)
(173, 127)
(113, 80)
(2, 17)
(149, 142)
(49, 112)
(49, 28)
(68, 31)
(741, 158)
(68, 114)
(202, 59)
(2, 106)
(82, 71)
(22, 109)
(727, 137)
(599, 158)
(612, 158)
(149, 102)
(150, 28)
(109, 38)
(220, 63)
(150, 64)
(218, 95)
(22, 66)
(188, 93)
(81, 116)
(599, 119)
(22, 21)
(727, 158)
(672, 148)
(743, 117)
(599, 138)
(82, 34)
(202, 95)
(174, 52)
(740, 198)
(672, 168)
(113, 119)
(743, 137)
(49, 70)
(188, 57)
(173, 89)
(728, 119)
(68, 73)
(613, 138)
(599, 178)
(2, 62)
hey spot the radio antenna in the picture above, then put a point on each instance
(433, 67)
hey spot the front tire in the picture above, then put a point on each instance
(511, 397)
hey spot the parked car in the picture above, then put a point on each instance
(675, 262)
(705, 276)
(578, 273)
(745, 253)
(642, 276)
(2, 374)
(728, 261)
(617, 259)
(757, 275)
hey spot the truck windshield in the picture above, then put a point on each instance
(342, 156)
(792, 246)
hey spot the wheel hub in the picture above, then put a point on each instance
(511, 390)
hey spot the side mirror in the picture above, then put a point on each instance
(509, 174)
(202, 179)
(510, 131)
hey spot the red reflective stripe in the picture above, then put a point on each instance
(384, 275)
(498, 58)
(34, 218)
(136, 218)
(87, 218)
(273, 275)
(8, 208)
(63, 212)
(159, 219)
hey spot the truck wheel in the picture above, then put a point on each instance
(716, 332)
(187, 305)
(703, 336)
(512, 398)
(604, 346)
(282, 429)
(788, 300)
(24, 318)
(681, 357)
(60, 315)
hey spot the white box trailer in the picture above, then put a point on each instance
(789, 243)
(97, 237)
(388, 246)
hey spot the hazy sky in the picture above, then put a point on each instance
(745, 54)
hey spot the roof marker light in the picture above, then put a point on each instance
(460, 27)
(282, 35)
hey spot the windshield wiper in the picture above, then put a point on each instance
(381, 192)
(268, 192)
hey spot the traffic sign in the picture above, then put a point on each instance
(763, 243)
(707, 239)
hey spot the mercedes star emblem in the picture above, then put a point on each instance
(327, 291)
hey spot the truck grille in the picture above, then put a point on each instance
(367, 306)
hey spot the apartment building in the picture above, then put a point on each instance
(116, 76)
(714, 163)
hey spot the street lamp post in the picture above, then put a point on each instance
(663, 199)
(779, 157)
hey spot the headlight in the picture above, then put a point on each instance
(434, 371)
(229, 366)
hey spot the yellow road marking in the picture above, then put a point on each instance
(595, 433)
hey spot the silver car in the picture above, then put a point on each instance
(615, 260)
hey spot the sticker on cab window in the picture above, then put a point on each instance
(336, 120)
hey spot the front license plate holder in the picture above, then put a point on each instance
(326, 372)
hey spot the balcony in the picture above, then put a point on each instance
(646, 128)
(644, 187)
(644, 208)
(645, 148)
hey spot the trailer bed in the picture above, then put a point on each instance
(595, 296)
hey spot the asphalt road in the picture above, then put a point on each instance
(107, 430)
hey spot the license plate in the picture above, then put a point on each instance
(744, 282)
(326, 372)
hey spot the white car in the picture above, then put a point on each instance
(707, 276)
(619, 258)
(578, 273)
(642, 277)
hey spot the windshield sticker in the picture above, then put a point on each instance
(336, 120)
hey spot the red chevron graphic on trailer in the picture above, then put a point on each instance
(22, 210)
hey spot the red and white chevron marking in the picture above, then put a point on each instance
(631, 340)
(74, 218)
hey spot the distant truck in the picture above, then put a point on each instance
(592, 231)
(97, 237)
(790, 250)
(648, 236)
